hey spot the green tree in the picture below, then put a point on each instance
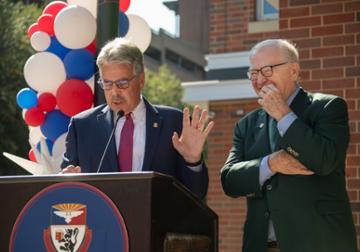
(163, 87)
(15, 49)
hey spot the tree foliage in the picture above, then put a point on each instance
(15, 49)
(163, 87)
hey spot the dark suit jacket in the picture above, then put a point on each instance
(309, 213)
(89, 131)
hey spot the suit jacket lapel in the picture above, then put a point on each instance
(262, 129)
(300, 102)
(153, 127)
(106, 124)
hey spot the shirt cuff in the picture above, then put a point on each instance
(264, 171)
(286, 122)
(197, 168)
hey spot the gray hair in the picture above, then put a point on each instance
(288, 49)
(121, 51)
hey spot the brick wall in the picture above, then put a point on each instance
(327, 33)
(228, 26)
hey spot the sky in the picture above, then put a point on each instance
(155, 14)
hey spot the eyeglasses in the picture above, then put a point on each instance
(122, 84)
(266, 71)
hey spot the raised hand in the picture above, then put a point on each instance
(193, 136)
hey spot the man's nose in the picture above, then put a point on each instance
(260, 78)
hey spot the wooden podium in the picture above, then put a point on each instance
(157, 209)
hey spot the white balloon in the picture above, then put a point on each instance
(75, 27)
(23, 112)
(40, 41)
(35, 135)
(44, 72)
(91, 83)
(90, 5)
(59, 146)
(139, 32)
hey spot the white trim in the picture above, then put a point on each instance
(217, 90)
(227, 60)
(263, 26)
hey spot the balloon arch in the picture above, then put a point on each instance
(60, 75)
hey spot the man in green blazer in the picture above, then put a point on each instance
(288, 160)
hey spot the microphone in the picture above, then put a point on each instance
(119, 115)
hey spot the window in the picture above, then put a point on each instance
(172, 56)
(188, 65)
(267, 9)
(153, 53)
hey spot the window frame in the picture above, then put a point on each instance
(260, 15)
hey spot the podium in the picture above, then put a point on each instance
(153, 207)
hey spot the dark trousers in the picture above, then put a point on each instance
(273, 250)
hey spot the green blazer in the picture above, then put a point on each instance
(309, 213)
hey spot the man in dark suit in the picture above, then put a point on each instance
(288, 160)
(147, 137)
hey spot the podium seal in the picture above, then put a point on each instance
(69, 217)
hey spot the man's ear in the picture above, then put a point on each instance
(142, 80)
(295, 71)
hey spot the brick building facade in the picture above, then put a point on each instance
(327, 34)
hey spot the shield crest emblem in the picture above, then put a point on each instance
(68, 230)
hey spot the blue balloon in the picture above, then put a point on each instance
(57, 48)
(123, 24)
(79, 64)
(49, 145)
(26, 98)
(55, 124)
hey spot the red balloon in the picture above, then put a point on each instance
(92, 47)
(32, 29)
(34, 117)
(47, 102)
(54, 7)
(124, 5)
(32, 156)
(46, 23)
(74, 96)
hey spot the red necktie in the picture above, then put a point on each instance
(126, 145)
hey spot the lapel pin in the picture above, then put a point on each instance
(155, 125)
(261, 125)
